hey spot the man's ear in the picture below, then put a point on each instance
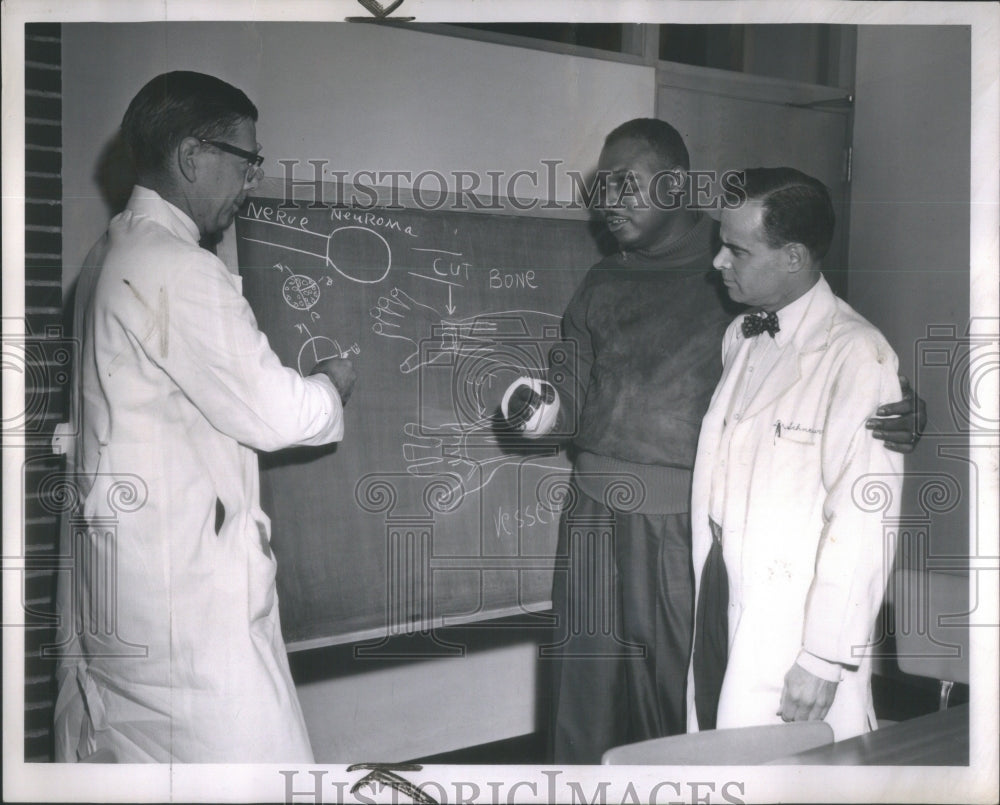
(187, 153)
(668, 188)
(797, 256)
(680, 180)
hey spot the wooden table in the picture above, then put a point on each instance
(938, 739)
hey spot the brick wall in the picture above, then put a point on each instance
(46, 372)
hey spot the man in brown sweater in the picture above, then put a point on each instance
(645, 325)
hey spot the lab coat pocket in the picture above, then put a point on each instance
(789, 431)
(261, 569)
(795, 452)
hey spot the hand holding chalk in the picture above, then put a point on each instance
(531, 407)
(341, 373)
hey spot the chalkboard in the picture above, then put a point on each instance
(427, 514)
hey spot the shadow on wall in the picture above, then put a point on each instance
(114, 175)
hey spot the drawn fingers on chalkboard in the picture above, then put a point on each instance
(398, 315)
(427, 455)
(407, 302)
(472, 453)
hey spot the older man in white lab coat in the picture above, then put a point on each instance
(779, 487)
(172, 639)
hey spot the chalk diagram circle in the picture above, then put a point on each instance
(373, 256)
(315, 349)
(300, 292)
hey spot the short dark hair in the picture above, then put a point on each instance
(659, 135)
(796, 208)
(176, 105)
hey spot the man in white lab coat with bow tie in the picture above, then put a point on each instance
(791, 497)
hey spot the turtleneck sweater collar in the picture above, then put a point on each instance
(693, 244)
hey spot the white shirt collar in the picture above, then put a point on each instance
(149, 202)
(792, 314)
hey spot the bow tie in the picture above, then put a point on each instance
(757, 323)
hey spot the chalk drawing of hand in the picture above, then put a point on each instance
(465, 458)
(398, 315)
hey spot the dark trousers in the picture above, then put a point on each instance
(623, 596)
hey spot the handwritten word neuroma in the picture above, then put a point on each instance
(371, 219)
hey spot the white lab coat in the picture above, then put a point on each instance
(174, 649)
(807, 551)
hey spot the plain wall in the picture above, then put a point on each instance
(362, 97)
(909, 235)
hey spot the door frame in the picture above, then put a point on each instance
(781, 93)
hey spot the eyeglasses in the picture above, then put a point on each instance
(253, 159)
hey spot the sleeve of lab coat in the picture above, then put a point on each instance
(862, 481)
(207, 340)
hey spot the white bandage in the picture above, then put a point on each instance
(543, 419)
